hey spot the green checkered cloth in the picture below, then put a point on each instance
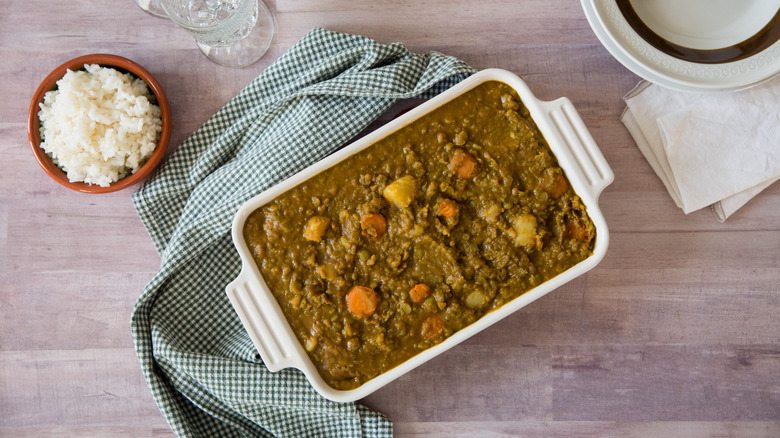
(198, 360)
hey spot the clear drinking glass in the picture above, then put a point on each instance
(233, 33)
(152, 7)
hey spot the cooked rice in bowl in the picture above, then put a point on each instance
(99, 125)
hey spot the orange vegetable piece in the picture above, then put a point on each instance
(374, 224)
(419, 292)
(362, 301)
(315, 228)
(463, 165)
(447, 208)
(554, 183)
(577, 229)
(401, 192)
(432, 327)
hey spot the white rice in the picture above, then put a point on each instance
(99, 125)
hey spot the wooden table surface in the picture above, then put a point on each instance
(675, 333)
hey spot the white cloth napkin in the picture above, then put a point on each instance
(716, 150)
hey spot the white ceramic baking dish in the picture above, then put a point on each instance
(578, 156)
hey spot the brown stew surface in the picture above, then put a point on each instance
(403, 244)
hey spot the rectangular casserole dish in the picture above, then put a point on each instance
(573, 147)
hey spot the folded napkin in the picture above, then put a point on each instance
(200, 364)
(716, 150)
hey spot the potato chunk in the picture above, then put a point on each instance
(490, 212)
(476, 299)
(315, 228)
(524, 226)
(401, 192)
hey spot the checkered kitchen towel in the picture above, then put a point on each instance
(199, 362)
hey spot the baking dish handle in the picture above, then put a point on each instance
(580, 147)
(259, 314)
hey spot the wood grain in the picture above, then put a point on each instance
(675, 333)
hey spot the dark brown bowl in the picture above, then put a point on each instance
(104, 60)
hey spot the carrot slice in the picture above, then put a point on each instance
(374, 224)
(463, 165)
(362, 301)
(419, 292)
(432, 327)
(447, 208)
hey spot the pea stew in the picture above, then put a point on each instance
(399, 246)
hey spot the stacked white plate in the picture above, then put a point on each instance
(691, 45)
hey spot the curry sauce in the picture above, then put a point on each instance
(399, 246)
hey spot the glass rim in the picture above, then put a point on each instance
(189, 26)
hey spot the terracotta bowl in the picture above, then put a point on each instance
(104, 60)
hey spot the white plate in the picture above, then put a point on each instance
(696, 24)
